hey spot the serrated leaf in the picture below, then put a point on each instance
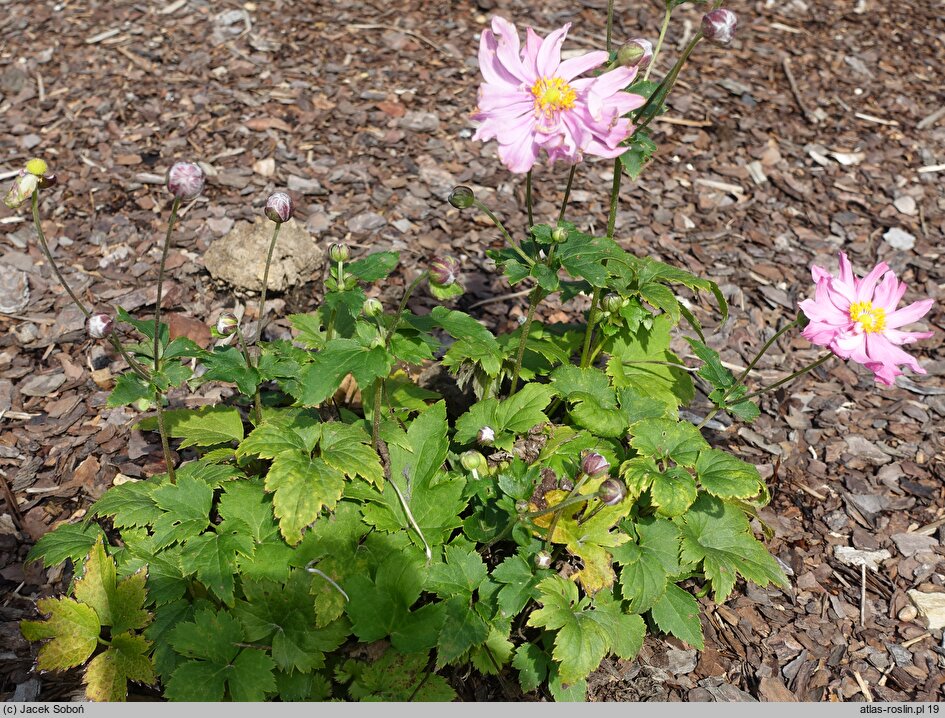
(244, 503)
(645, 573)
(726, 476)
(718, 535)
(187, 509)
(373, 267)
(228, 364)
(473, 341)
(340, 357)
(270, 439)
(532, 664)
(251, 677)
(396, 677)
(507, 418)
(107, 675)
(460, 574)
(73, 628)
(303, 486)
(712, 369)
(546, 277)
(378, 607)
(668, 439)
(129, 388)
(661, 297)
(212, 556)
(72, 541)
(518, 581)
(197, 681)
(677, 612)
(744, 410)
(347, 448)
(206, 426)
(129, 504)
(673, 491)
(584, 256)
(462, 629)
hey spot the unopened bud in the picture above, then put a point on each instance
(612, 492)
(635, 53)
(22, 189)
(473, 461)
(718, 26)
(613, 303)
(542, 559)
(521, 507)
(486, 436)
(339, 252)
(99, 326)
(227, 323)
(559, 235)
(372, 307)
(37, 167)
(593, 464)
(185, 180)
(462, 197)
(279, 207)
(444, 271)
(802, 319)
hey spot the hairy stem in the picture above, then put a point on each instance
(505, 233)
(610, 25)
(528, 197)
(249, 365)
(265, 285)
(533, 301)
(659, 40)
(567, 192)
(49, 257)
(165, 444)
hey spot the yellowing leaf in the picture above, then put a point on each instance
(303, 487)
(107, 675)
(73, 627)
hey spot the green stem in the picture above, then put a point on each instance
(505, 233)
(528, 197)
(610, 25)
(533, 301)
(567, 192)
(564, 503)
(667, 84)
(135, 365)
(761, 353)
(659, 40)
(257, 403)
(376, 415)
(49, 257)
(165, 444)
(403, 305)
(589, 332)
(785, 380)
(265, 285)
(330, 329)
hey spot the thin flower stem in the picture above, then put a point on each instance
(162, 429)
(751, 365)
(526, 327)
(49, 257)
(403, 305)
(528, 197)
(257, 399)
(661, 363)
(610, 25)
(564, 503)
(135, 365)
(785, 380)
(659, 40)
(376, 413)
(567, 192)
(330, 329)
(265, 285)
(589, 332)
(667, 84)
(505, 233)
(328, 578)
(413, 521)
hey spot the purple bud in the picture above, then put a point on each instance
(185, 180)
(486, 436)
(99, 326)
(279, 207)
(612, 491)
(635, 53)
(718, 26)
(227, 323)
(444, 271)
(593, 464)
(339, 252)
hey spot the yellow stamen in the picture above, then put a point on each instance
(553, 94)
(872, 319)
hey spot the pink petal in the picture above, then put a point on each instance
(821, 310)
(492, 69)
(898, 337)
(530, 51)
(909, 314)
(571, 68)
(839, 294)
(851, 345)
(846, 272)
(820, 333)
(549, 55)
(507, 48)
(865, 286)
(881, 350)
(819, 273)
(613, 81)
(888, 293)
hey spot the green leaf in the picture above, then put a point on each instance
(462, 629)
(73, 628)
(668, 439)
(518, 581)
(532, 664)
(650, 270)
(374, 266)
(347, 448)
(711, 370)
(638, 155)
(206, 426)
(181, 347)
(649, 565)
(72, 541)
(473, 341)
(584, 256)
(395, 677)
(251, 677)
(270, 439)
(744, 410)
(303, 486)
(228, 364)
(673, 491)
(725, 476)
(340, 357)
(245, 504)
(129, 388)
(129, 504)
(677, 612)
(547, 278)
(107, 675)
(511, 263)
(594, 402)
(309, 328)
(145, 326)
(661, 297)
(120, 609)
(718, 535)
(187, 509)
(212, 556)
(461, 573)
(507, 418)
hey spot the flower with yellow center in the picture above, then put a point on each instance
(552, 94)
(871, 318)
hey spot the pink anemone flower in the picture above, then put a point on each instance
(857, 318)
(532, 100)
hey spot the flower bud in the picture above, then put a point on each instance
(559, 235)
(99, 326)
(227, 323)
(462, 197)
(802, 319)
(718, 26)
(444, 271)
(339, 252)
(473, 461)
(612, 492)
(185, 180)
(542, 559)
(521, 507)
(613, 303)
(22, 189)
(593, 464)
(279, 207)
(635, 53)
(37, 167)
(372, 307)
(486, 436)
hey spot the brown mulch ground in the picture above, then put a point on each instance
(361, 109)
